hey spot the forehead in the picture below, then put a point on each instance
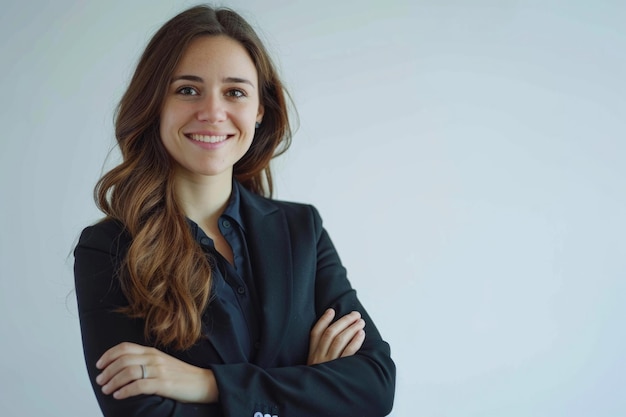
(219, 56)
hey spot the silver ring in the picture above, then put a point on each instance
(143, 371)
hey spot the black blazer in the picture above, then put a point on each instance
(298, 275)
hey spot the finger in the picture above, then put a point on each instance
(323, 322)
(126, 376)
(316, 332)
(124, 348)
(344, 322)
(331, 332)
(319, 328)
(122, 363)
(138, 387)
(343, 339)
(355, 344)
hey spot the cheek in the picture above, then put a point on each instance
(167, 133)
(163, 135)
(165, 121)
(249, 122)
(169, 126)
(172, 115)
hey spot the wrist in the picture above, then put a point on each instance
(212, 393)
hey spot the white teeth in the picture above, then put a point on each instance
(208, 139)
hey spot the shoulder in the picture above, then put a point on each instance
(294, 212)
(295, 208)
(107, 235)
(97, 259)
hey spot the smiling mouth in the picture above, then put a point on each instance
(208, 139)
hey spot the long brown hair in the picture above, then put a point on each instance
(165, 274)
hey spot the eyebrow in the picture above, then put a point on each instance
(195, 78)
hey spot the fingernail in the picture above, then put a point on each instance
(99, 379)
(99, 364)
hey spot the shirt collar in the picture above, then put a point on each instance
(232, 211)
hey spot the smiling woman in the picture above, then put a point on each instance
(212, 105)
(198, 294)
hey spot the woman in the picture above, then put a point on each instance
(197, 295)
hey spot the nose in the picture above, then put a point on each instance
(211, 109)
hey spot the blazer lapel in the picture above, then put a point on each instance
(269, 245)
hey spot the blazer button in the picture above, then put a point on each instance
(241, 290)
(226, 224)
(205, 241)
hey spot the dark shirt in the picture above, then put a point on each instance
(233, 285)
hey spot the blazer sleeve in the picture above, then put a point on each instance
(360, 385)
(97, 259)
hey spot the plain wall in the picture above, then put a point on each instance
(468, 158)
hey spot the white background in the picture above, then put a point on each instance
(468, 158)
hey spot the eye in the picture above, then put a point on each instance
(236, 93)
(187, 91)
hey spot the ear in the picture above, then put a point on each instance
(260, 113)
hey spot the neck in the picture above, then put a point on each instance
(203, 199)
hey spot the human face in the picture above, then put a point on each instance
(209, 113)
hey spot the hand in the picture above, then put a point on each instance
(123, 375)
(340, 339)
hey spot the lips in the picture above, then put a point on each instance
(207, 138)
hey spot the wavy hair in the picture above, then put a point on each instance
(165, 275)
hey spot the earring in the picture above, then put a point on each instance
(257, 125)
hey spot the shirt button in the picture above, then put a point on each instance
(226, 224)
(205, 241)
(241, 290)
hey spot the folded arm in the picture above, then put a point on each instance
(347, 373)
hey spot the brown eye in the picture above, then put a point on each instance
(236, 93)
(187, 91)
